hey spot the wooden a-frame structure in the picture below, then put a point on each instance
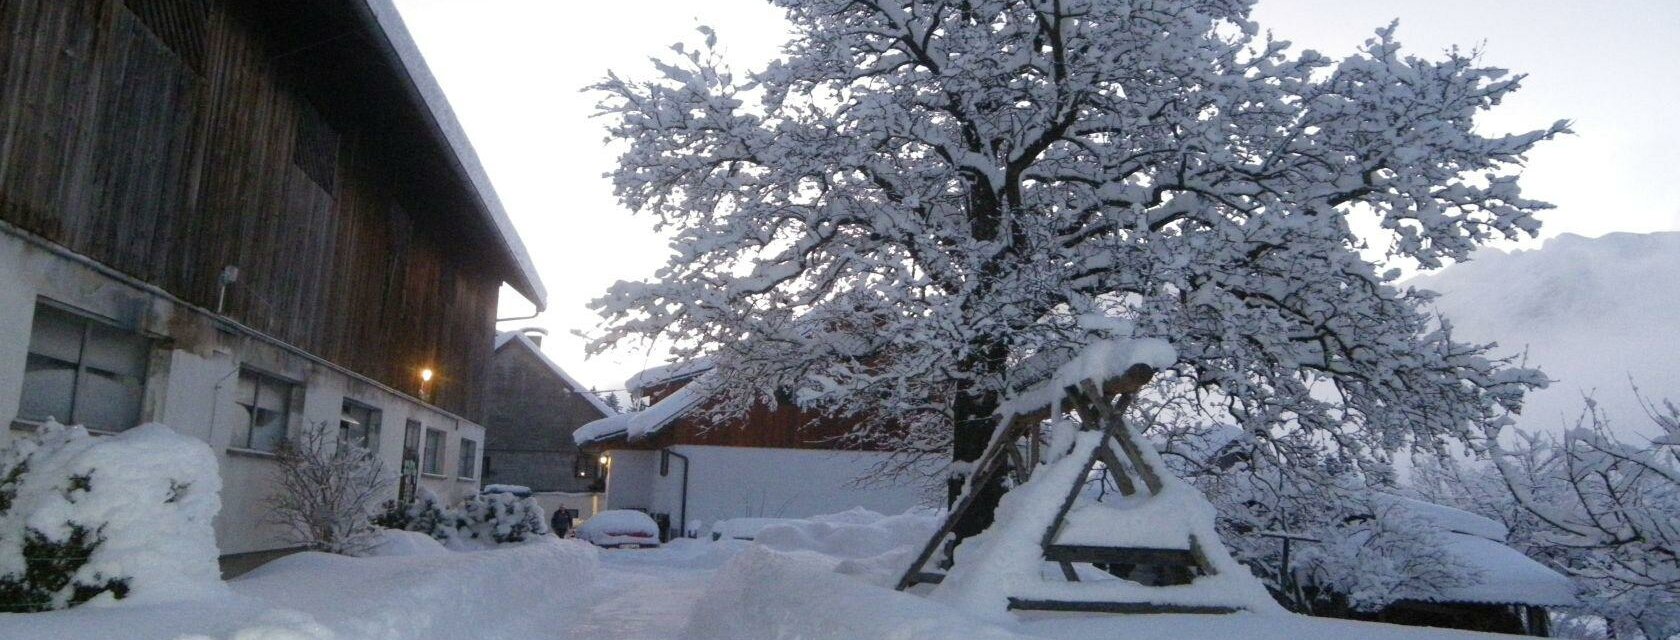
(1136, 471)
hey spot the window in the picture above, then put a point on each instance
(267, 402)
(82, 371)
(359, 425)
(467, 464)
(586, 465)
(432, 457)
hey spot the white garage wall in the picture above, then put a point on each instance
(736, 482)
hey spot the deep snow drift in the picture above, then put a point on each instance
(690, 589)
(421, 592)
(1590, 312)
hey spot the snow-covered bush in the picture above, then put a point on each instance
(397, 542)
(86, 519)
(327, 493)
(482, 519)
(500, 518)
(424, 514)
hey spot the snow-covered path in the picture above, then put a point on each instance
(636, 600)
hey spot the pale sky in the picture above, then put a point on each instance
(515, 71)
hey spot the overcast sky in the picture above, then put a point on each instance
(515, 71)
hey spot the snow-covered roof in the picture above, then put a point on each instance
(515, 337)
(637, 425)
(390, 24)
(1451, 519)
(1506, 575)
(665, 373)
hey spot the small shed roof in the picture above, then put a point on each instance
(1478, 542)
(1507, 576)
(636, 425)
(654, 376)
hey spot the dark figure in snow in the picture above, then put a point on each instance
(561, 523)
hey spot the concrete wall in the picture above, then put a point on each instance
(192, 379)
(737, 482)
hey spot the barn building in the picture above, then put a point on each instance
(241, 219)
(533, 408)
(672, 461)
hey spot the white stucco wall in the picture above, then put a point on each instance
(736, 482)
(190, 386)
(630, 479)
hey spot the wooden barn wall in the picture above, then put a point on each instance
(156, 137)
(783, 427)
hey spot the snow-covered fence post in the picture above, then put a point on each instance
(328, 492)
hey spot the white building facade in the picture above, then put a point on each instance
(85, 345)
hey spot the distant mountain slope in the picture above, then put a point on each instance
(1589, 311)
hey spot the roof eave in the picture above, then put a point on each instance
(382, 17)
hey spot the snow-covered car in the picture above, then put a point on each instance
(620, 528)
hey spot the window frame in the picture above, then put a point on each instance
(85, 323)
(291, 404)
(426, 451)
(471, 472)
(370, 432)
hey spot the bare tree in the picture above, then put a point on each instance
(328, 492)
(1609, 511)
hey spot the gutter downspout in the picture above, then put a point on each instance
(665, 470)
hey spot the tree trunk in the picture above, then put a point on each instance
(975, 420)
(974, 409)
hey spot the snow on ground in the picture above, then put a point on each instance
(509, 592)
(689, 589)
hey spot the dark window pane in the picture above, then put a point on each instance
(57, 334)
(359, 425)
(434, 452)
(48, 388)
(268, 430)
(107, 401)
(267, 404)
(115, 351)
(468, 460)
(83, 372)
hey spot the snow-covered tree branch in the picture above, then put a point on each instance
(1608, 511)
(922, 194)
